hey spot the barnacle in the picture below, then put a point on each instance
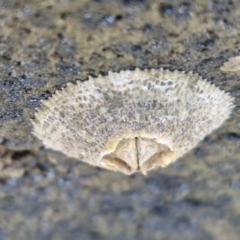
(133, 120)
(232, 65)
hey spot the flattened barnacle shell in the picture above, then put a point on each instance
(133, 120)
(232, 65)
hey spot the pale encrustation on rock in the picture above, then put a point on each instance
(232, 65)
(132, 120)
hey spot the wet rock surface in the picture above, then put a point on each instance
(43, 194)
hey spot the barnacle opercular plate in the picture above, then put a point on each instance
(133, 120)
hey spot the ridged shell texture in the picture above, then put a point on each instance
(133, 120)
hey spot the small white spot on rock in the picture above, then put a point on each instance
(232, 65)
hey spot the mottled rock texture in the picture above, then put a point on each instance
(46, 44)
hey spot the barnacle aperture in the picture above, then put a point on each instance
(133, 120)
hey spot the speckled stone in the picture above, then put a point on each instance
(46, 44)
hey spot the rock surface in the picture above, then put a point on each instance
(44, 195)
